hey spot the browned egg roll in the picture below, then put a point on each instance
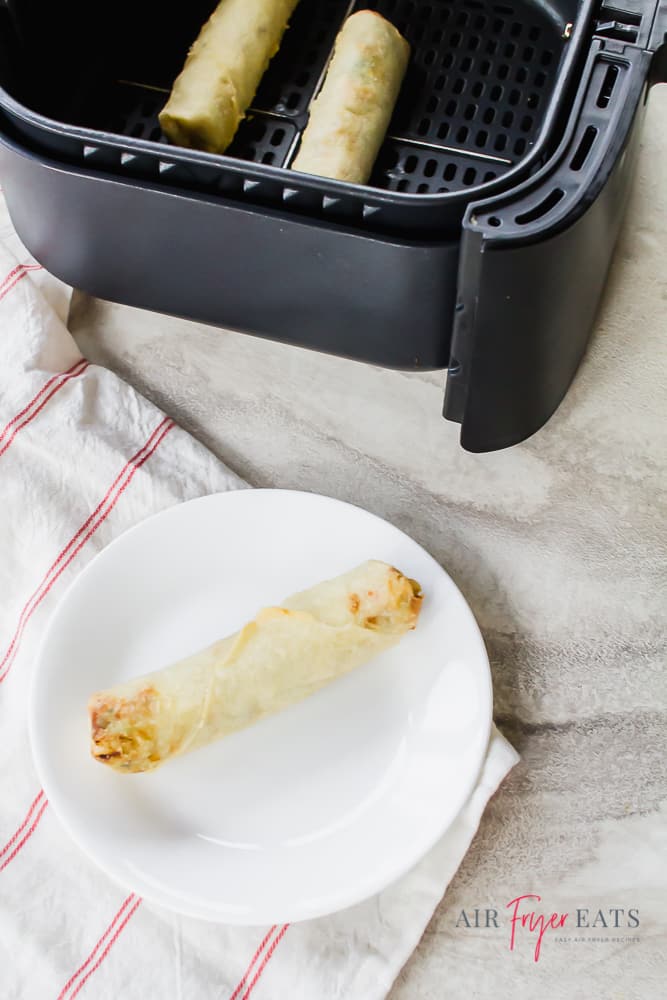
(222, 72)
(283, 655)
(349, 117)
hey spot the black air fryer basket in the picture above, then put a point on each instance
(480, 244)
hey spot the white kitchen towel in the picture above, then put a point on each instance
(82, 458)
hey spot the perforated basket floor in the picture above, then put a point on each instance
(480, 78)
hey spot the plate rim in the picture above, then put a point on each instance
(303, 911)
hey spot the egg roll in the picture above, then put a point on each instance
(283, 655)
(349, 117)
(222, 72)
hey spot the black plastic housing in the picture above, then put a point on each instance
(363, 296)
(497, 278)
(533, 264)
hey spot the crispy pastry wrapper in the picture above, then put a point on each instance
(279, 658)
(222, 72)
(349, 118)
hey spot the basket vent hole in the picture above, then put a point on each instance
(584, 148)
(424, 126)
(490, 175)
(488, 116)
(462, 133)
(450, 108)
(422, 188)
(469, 112)
(513, 98)
(607, 87)
(432, 104)
(494, 221)
(459, 86)
(507, 119)
(469, 176)
(443, 130)
(477, 90)
(430, 167)
(520, 147)
(540, 79)
(534, 33)
(500, 142)
(449, 173)
(277, 136)
(466, 64)
(403, 185)
(411, 164)
(268, 158)
(496, 92)
(533, 214)
(439, 82)
(526, 123)
(521, 74)
(503, 71)
(516, 29)
(481, 137)
(492, 46)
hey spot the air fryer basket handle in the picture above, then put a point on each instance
(533, 261)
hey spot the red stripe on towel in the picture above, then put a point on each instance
(87, 529)
(254, 958)
(18, 840)
(15, 270)
(30, 411)
(109, 937)
(265, 961)
(15, 276)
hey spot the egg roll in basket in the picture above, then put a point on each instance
(283, 655)
(222, 72)
(350, 115)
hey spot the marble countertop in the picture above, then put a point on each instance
(558, 544)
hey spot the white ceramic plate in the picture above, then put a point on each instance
(307, 812)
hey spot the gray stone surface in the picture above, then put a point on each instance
(558, 544)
